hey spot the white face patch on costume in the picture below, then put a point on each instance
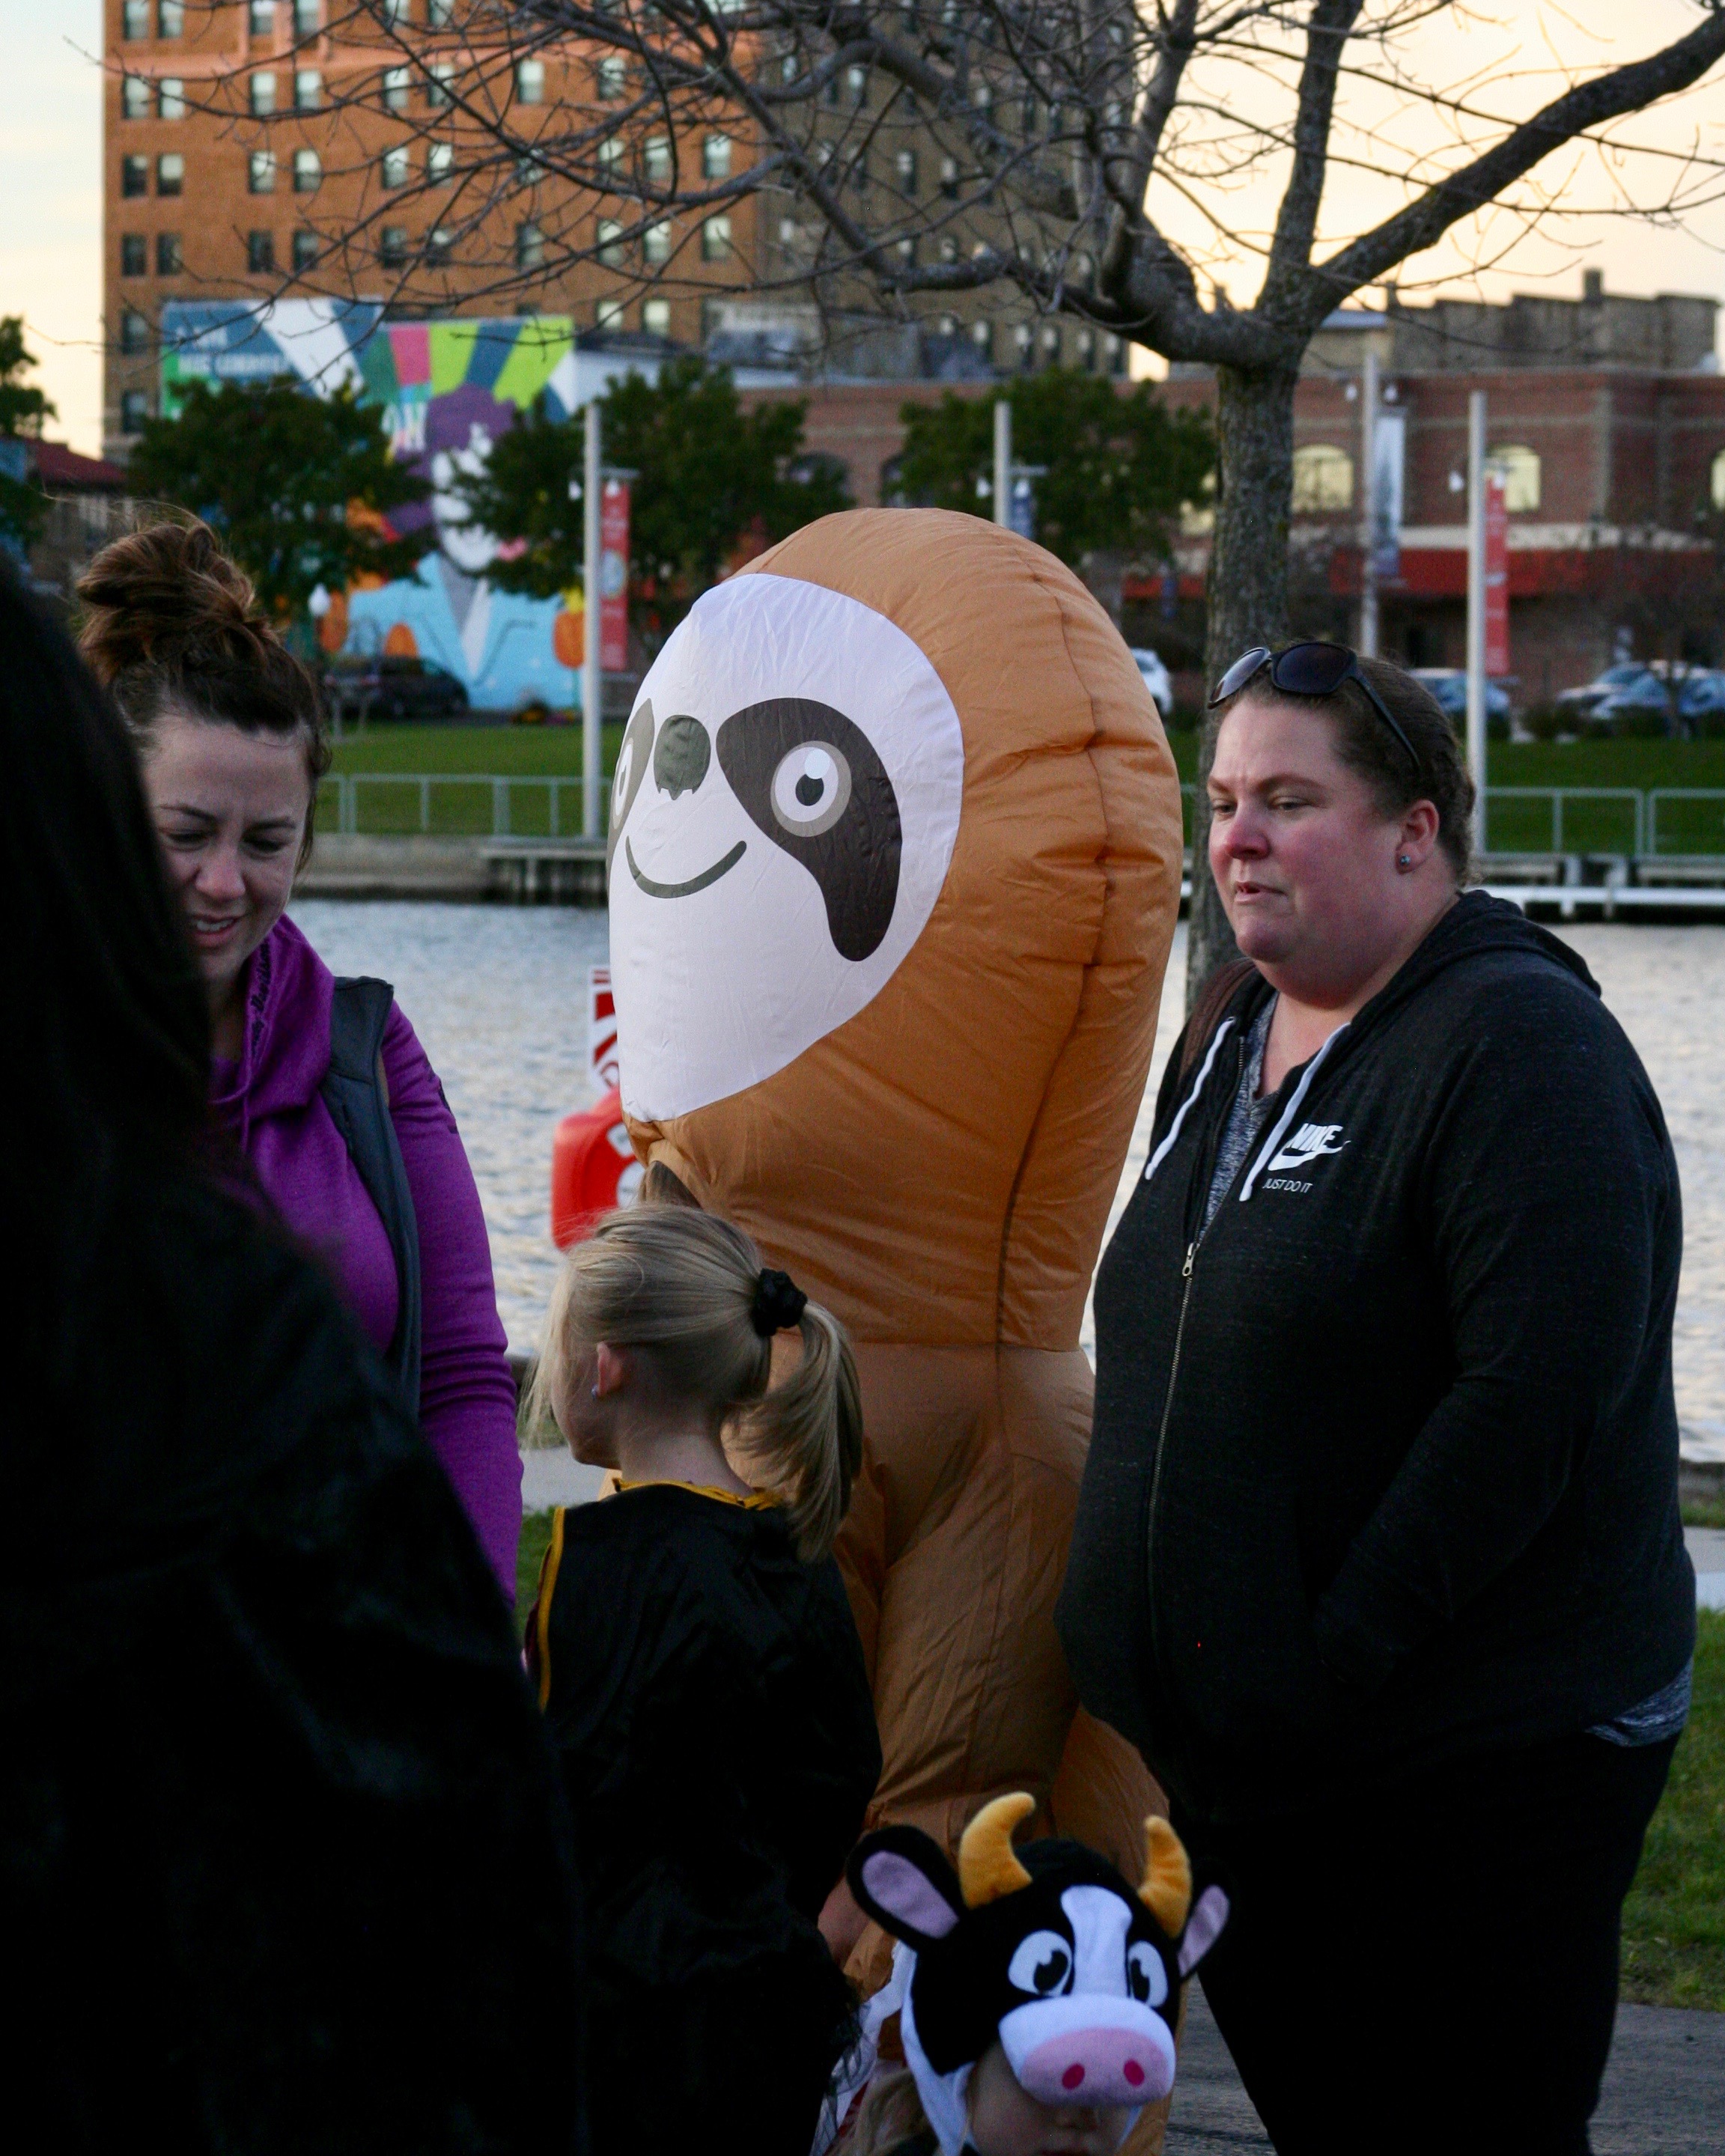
(783, 813)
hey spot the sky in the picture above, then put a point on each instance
(1507, 52)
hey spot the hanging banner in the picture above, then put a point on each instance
(1021, 509)
(1496, 576)
(614, 577)
(1389, 443)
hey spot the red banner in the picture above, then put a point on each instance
(1496, 576)
(613, 576)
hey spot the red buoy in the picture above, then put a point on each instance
(593, 1170)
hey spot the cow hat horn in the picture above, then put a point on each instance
(987, 1867)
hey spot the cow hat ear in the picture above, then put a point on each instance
(900, 1876)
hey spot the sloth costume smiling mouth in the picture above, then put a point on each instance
(721, 867)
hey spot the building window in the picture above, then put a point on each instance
(397, 166)
(906, 250)
(134, 255)
(171, 98)
(440, 163)
(306, 14)
(530, 81)
(1050, 344)
(1024, 338)
(135, 20)
(439, 14)
(613, 77)
(134, 175)
(170, 262)
(394, 12)
(903, 166)
(260, 172)
(949, 247)
(715, 158)
(610, 157)
(308, 89)
(1518, 467)
(715, 240)
(529, 170)
(655, 318)
(982, 335)
(170, 173)
(438, 92)
(610, 243)
(134, 332)
(1087, 350)
(308, 173)
(856, 85)
(171, 19)
(949, 178)
(1717, 481)
(134, 98)
(134, 410)
(305, 252)
(656, 160)
(788, 68)
(1114, 352)
(261, 254)
(657, 244)
(393, 247)
(263, 18)
(529, 245)
(1323, 479)
(439, 244)
(263, 90)
(607, 314)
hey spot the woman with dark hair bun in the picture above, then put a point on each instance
(283, 1865)
(321, 1082)
(1379, 1557)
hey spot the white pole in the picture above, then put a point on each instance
(592, 679)
(1002, 462)
(1368, 505)
(1476, 608)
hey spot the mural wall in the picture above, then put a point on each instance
(447, 390)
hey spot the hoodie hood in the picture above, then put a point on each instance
(286, 1052)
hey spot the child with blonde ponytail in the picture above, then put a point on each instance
(701, 1677)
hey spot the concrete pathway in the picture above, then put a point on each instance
(1664, 2092)
(1706, 1553)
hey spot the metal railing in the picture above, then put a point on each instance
(1635, 822)
(1523, 822)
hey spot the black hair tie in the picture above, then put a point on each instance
(779, 1303)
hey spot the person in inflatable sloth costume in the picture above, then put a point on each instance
(895, 861)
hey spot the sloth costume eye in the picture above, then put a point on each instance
(814, 783)
(1041, 1964)
(1146, 1978)
(634, 759)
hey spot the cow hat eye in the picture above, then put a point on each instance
(1041, 1964)
(1146, 1978)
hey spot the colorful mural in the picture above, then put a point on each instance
(447, 390)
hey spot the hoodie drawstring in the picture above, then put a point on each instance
(1285, 1121)
(1163, 1151)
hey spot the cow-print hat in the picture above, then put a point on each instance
(1047, 1948)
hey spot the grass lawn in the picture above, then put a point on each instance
(499, 751)
(1674, 1921)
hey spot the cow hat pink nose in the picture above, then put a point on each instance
(1090, 2051)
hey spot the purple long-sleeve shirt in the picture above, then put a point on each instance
(272, 1102)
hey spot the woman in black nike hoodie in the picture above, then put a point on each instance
(1378, 1559)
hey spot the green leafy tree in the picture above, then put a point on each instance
(23, 409)
(708, 475)
(297, 485)
(1118, 467)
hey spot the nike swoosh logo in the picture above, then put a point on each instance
(694, 883)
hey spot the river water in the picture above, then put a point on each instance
(498, 995)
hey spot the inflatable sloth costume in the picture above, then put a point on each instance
(896, 862)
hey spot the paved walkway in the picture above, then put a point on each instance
(1664, 2092)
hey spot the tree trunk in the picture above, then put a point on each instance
(1247, 596)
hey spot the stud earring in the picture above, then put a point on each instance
(1401, 861)
(595, 1392)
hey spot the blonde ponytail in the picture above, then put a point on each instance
(687, 1293)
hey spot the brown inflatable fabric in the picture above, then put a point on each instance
(938, 1170)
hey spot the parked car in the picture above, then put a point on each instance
(1644, 705)
(1156, 680)
(1700, 701)
(358, 688)
(1449, 685)
(1580, 704)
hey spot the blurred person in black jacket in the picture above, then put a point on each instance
(284, 1863)
(1378, 1557)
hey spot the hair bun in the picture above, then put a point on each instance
(164, 594)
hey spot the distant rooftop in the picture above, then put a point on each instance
(1671, 332)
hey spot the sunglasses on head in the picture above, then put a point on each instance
(1309, 669)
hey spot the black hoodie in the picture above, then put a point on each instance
(1384, 1461)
